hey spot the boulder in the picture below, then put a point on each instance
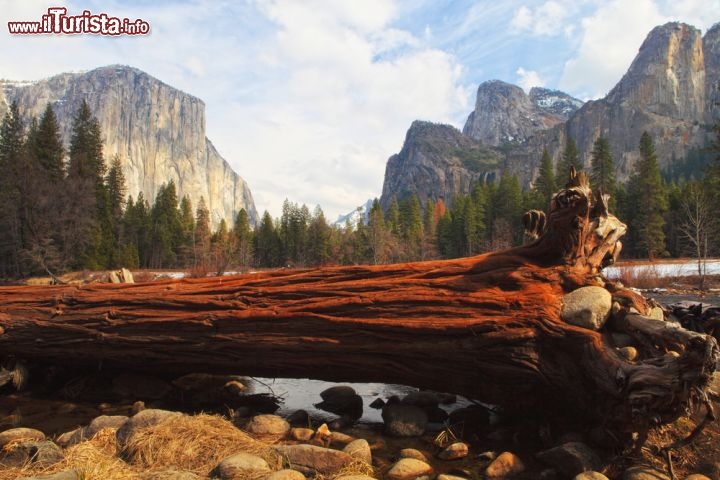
(590, 475)
(454, 451)
(360, 450)
(404, 420)
(286, 474)
(43, 453)
(89, 431)
(268, 427)
(628, 353)
(341, 400)
(20, 434)
(413, 453)
(301, 434)
(408, 469)
(643, 473)
(571, 458)
(587, 307)
(314, 459)
(239, 466)
(143, 419)
(506, 464)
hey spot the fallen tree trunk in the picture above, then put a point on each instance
(488, 327)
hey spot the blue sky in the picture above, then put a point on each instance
(307, 99)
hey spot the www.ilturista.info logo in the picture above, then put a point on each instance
(58, 22)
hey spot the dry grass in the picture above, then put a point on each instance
(193, 443)
(645, 278)
(94, 459)
(357, 467)
(184, 443)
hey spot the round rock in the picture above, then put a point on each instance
(360, 450)
(143, 419)
(286, 474)
(239, 466)
(590, 475)
(643, 473)
(268, 427)
(408, 469)
(20, 434)
(587, 307)
(454, 451)
(506, 464)
(413, 453)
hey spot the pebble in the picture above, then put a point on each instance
(408, 469)
(301, 434)
(20, 434)
(454, 451)
(323, 460)
(590, 475)
(239, 464)
(413, 453)
(360, 450)
(286, 474)
(268, 427)
(506, 464)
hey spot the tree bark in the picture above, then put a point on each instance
(488, 327)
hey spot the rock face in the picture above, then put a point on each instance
(157, 132)
(505, 114)
(664, 92)
(437, 161)
(671, 90)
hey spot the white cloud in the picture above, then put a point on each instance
(611, 37)
(528, 79)
(547, 19)
(339, 96)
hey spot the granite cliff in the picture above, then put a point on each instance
(157, 131)
(437, 161)
(670, 90)
(505, 114)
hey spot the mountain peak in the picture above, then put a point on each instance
(157, 132)
(504, 113)
(667, 77)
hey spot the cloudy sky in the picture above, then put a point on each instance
(308, 98)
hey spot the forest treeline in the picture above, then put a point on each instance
(69, 210)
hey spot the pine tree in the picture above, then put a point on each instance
(116, 191)
(507, 210)
(411, 227)
(602, 174)
(545, 185)
(243, 239)
(267, 243)
(569, 159)
(392, 217)
(429, 240)
(378, 234)
(166, 229)
(12, 137)
(650, 201)
(202, 236)
(46, 145)
(87, 220)
(222, 247)
(318, 238)
(137, 230)
(86, 149)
